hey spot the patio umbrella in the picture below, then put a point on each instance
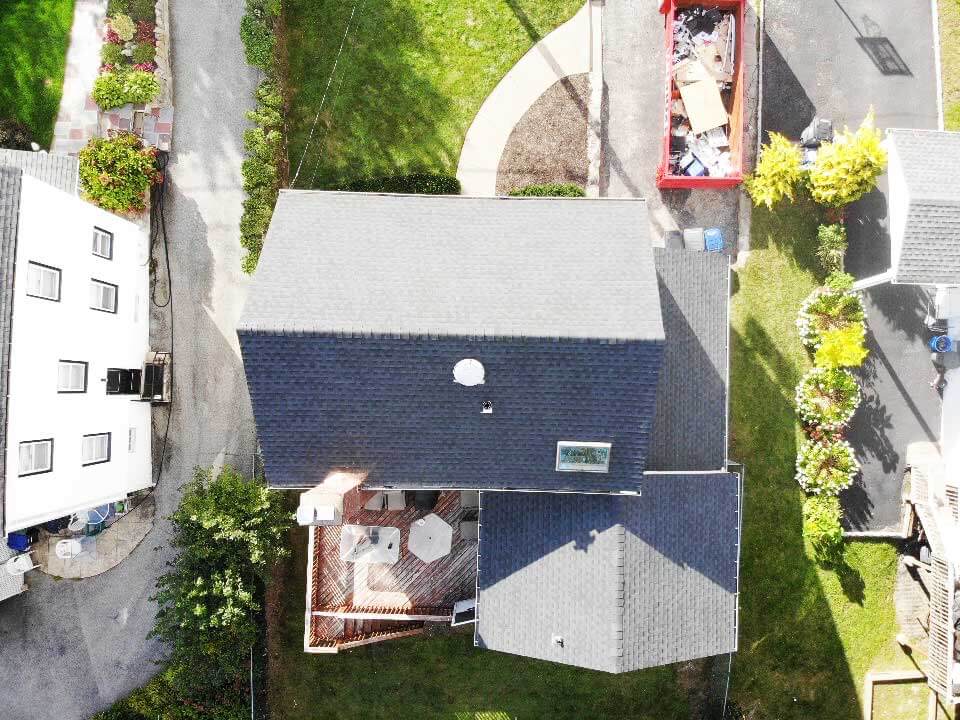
(430, 538)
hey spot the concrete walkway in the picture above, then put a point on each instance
(77, 119)
(72, 647)
(565, 51)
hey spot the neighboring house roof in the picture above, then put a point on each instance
(9, 214)
(690, 426)
(54, 169)
(415, 265)
(928, 165)
(556, 297)
(626, 582)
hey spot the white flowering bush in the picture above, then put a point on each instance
(825, 467)
(828, 309)
(827, 398)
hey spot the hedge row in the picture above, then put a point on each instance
(414, 183)
(264, 143)
(549, 190)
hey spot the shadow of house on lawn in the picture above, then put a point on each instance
(379, 114)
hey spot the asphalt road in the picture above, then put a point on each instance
(70, 648)
(837, 59)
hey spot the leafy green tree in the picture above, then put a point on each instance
(229, 531)
(847, 168)
(778, 173)
(116, 172)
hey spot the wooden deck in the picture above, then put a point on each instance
(406, 586)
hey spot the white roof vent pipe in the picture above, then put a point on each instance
(468, 372)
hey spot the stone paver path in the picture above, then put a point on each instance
(77, 119)
(565, 51)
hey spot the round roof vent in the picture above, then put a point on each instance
(468, 372)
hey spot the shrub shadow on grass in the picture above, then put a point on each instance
(791, 662)
(792, 227)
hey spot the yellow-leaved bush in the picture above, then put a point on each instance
(847, 168)
(777, 174)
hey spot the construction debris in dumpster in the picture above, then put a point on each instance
(703, 67)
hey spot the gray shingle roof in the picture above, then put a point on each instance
(627, 582)
(690, 426)
(9, 215)
(53, 169)
(930, 163)
(352, 263)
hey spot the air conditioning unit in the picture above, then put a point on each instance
(156, 377)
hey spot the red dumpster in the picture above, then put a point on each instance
(692, 156)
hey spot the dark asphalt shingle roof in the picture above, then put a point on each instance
(627, 581)
(390, 406)
(411, 265)
(9, 215)
(930, 164)
(690, 426)
(51, 168)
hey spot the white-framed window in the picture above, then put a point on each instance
(132, 440)
(71, 376)
(96, 448)
(103, 243)
(103, 296)
(43, 281)
(575, 456)
(36, 456)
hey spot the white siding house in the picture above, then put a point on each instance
(78, 316)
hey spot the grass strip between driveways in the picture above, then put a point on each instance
(807, 636)
(34, 35)
(411, 78)
(949, 12)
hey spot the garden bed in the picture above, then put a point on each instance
(549, 144)
(128, 56)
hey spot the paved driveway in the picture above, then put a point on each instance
(67, 648)
(836, 59)
(634, 67)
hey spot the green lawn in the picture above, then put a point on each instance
(807, 636)
(422, 678)
(411, 78)
(33, 49)
(949, 11)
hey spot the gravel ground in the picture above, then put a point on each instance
(71, 648)
(549, 144)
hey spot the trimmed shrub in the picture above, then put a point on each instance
(821, 526)
(123, 26)
(259, 42)
(549, 190)
(831, 247)
(144, 52)
(414, 183)
(840, 281)
(778, 173)
(261, 171)
(14, 135)
(111, 54)
(108, 91)
(842, 347)
(827, 398)
(116, 172)
(116, 88)
(141, 86)
(847, 168)
(828, 309)
(825, 467)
